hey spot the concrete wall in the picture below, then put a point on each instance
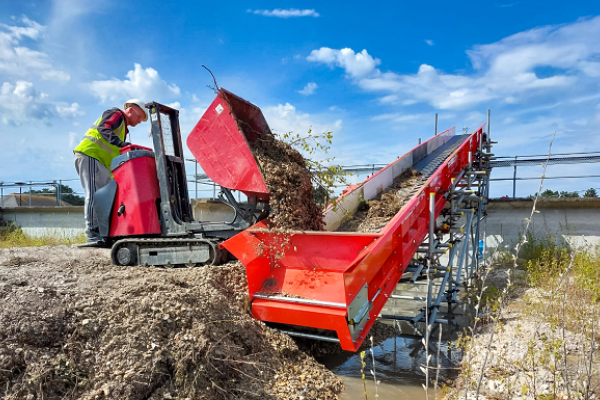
(576, 221)
(69, 221)
(46, 221)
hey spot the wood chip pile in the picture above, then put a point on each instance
(73, 326)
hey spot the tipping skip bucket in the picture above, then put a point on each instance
(220, 143)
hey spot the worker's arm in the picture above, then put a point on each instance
(111, 120)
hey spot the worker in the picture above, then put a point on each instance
(101, 143)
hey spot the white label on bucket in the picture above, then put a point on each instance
(219, 109)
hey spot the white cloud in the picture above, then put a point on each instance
(284, 118)
(309, 89)
(69, 111)
(286, 13)
(144, 84)
(357, 65)
(429, 42)
(505, 71)
(20, 61)
(403, 118)
(21, 103)
(176, 105)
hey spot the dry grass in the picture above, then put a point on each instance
(13, 236)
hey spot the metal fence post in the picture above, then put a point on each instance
(489, 141)
(30, 187)
(515, 180)
(196, 180)
(436, 119)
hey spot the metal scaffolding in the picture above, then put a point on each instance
(450, 256)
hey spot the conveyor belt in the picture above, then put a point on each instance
(429, 164)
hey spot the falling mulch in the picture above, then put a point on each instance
(73, 326)
(290, 186)
(373, 215)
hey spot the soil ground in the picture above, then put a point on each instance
(73, 326)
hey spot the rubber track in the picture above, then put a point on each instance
(165, 243)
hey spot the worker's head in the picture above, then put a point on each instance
(135, 113)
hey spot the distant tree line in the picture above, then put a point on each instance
(66, 194)
(591, 192)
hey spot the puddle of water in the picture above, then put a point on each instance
(354, 389)
(398, 360)
(397, 366)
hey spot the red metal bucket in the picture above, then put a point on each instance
(220, 143)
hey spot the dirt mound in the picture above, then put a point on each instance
(373, 215)
(73, 326)
(289, 182)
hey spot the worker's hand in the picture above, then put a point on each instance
(126, 144)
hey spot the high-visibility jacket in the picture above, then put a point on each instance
(96, 146)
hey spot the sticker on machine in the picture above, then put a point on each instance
(219, 109)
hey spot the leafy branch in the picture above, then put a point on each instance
(325, 176)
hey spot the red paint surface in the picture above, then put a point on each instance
(219, 142)
(137, 189)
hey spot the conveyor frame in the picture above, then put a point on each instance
(336, 283)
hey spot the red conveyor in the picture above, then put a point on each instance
(332, 281)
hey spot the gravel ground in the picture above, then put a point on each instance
(525, 358)
(73, 326)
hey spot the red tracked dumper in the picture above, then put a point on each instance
(145, 212)
(326, 285)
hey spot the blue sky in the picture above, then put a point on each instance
(375, 74)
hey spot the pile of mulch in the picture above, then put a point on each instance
(73, 326)
(373, 215)
(290, 186)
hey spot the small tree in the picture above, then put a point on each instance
(591, 192)
(565, 194)
(66, 193)
(321, 195)
(549, 193)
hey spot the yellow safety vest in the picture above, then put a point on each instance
(94, 145)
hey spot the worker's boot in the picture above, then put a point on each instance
(94, 239)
